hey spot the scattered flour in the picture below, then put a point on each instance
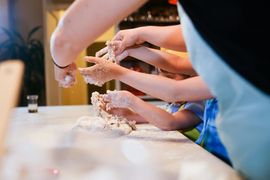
(103, 122)
(68, 79)
(89, 80)
(111, 55)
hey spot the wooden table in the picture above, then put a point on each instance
(147, 153)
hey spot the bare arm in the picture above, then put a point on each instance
(168, 36)
(164, 120)
(129, 114)
(191, 89)
(163, 60)
(82, 23)
(154, 115)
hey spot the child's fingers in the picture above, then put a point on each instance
(121, 56)
(82, 69)
(90, 78)
(109, 106)
(92, 59)
(110, 96)
(115, 44)
(106, 98)
(102, 52)
(106, 56)
(85, 71)
(118, 36)
(118, 46)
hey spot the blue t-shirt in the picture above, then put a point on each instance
(209, 138)
(207, 112)
(197, 107)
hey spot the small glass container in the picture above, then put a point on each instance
(32, 103)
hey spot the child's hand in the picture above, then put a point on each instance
(125, 39)
(103, 71)
(118, 99)
(123, 112)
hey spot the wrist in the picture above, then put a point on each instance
(143, 33)
(140, 36)
(130, 51)
(60, 67)
(134, 102)
(119, 72)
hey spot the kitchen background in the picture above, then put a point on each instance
(26, 26)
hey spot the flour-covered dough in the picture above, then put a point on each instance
(111, 55)
(102, 121)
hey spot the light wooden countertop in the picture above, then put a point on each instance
(147, 153)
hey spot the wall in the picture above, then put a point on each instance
(3, 15)
(26, 14)
(23, 16)
(55, 95)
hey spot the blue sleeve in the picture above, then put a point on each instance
(197, 107)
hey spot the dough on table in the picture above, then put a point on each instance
(103, 122)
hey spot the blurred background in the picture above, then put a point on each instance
(25, 30)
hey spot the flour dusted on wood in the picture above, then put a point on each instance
(103, 121)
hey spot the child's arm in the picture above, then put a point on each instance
(166, 61)
(191, 89)
(162, 119)
(127, 113)
(169, 37)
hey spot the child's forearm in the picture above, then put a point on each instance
(135, 117)
(191, 89)
(163, 60)
(129, 114)
(152, 114)
(161, 118)
(168, 36)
